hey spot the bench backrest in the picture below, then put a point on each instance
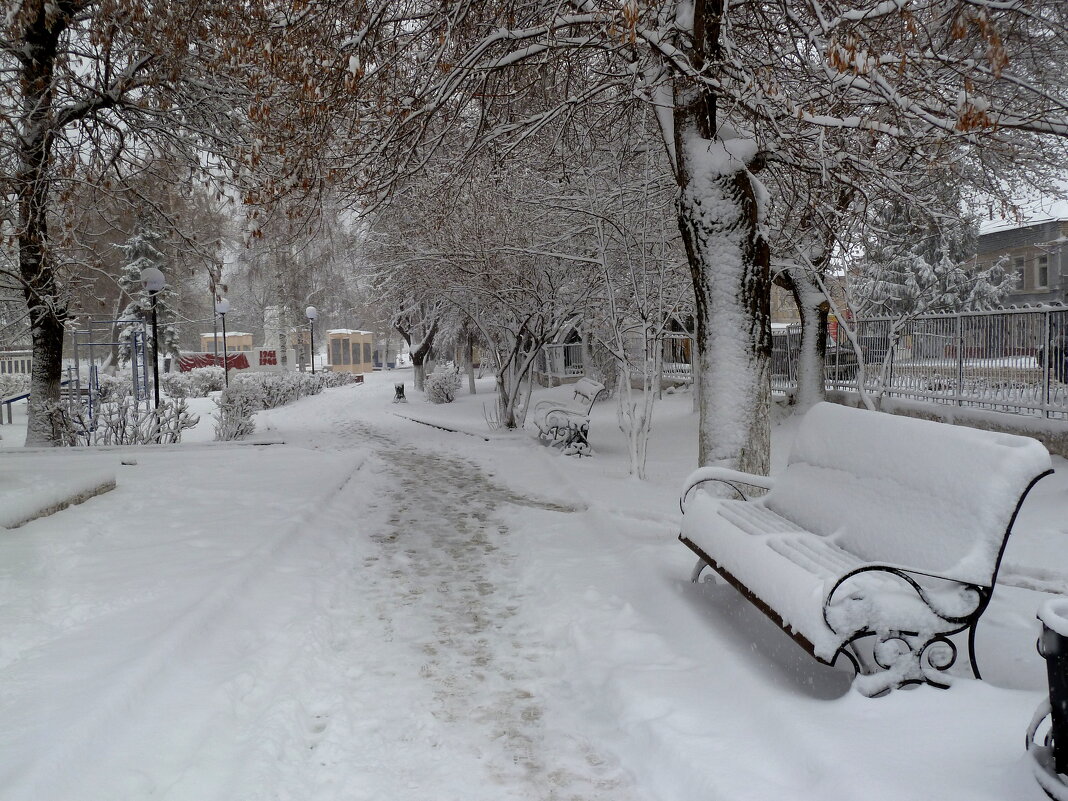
(931, 496)
(587, 389)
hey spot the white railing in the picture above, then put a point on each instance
(560, 361)
(993, 360)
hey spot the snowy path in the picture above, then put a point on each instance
(351, 650)
(383, 611)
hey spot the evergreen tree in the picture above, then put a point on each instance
(919, 261)
(141, 252)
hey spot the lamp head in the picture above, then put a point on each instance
(152, 279)
(311, 313)
(222, 306)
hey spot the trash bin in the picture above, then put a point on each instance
(1053, 646)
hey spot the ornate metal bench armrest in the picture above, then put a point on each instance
(909, 576)
(732, 478)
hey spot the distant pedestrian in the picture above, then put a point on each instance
(1056, 355)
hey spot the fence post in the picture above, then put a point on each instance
(1046, 360)
(960, 360)
(889, 388)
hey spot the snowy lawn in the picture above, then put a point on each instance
(383, 609)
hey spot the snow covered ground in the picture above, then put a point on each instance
(381, 609)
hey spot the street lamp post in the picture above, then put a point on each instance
(221, 308)
(311, 313)
(152, 281)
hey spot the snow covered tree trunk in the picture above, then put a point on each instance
(469, 362)
(810, 384)
(812, 306)
(721, 211)
(635, 407)
(36, 267)
(720, 216)
(420, 353)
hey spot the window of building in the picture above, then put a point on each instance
(367, 351)
(346, 355)
(335, 351)
(1020, 266)
(1042, 272)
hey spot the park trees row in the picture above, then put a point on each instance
(784, 124)
(779, 123)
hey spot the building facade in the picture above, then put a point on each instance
(1037, 254)
(236, 341)
(349, 351)
(15, 362)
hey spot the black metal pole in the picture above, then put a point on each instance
(1053, 646)
(226, 358)
(155, 350)
(311, 332)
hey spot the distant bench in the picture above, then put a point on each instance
(880, 540)
(567, 425)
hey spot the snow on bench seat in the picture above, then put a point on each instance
(879, 525)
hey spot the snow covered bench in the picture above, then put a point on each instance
(880, 540)
(565, 425)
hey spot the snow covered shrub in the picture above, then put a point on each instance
(174, 417)
(308, 384)
(205, 380)
(112, 388)
(15, 384)
(176, 385)
(236, 405)
(123, 422)
(331, 380)
(276, 389)
(442, 385)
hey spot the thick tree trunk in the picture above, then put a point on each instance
(45, 375)
(721, 218)
(47, 312)
(720, 221)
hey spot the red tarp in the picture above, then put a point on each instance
(189, 361)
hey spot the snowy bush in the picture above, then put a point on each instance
(122, 421)
(276, 389)
(235, 407)
(197, 383)
(442, 385)
(16, 384)
(113, 388)
(331, 380)
(203, 381)
(308, 384)
(176, 385)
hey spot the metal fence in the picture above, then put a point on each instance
(560, 361)
(1012, 360)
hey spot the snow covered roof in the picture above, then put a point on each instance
(228, 334)
(1036, 212)
(348, 331)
